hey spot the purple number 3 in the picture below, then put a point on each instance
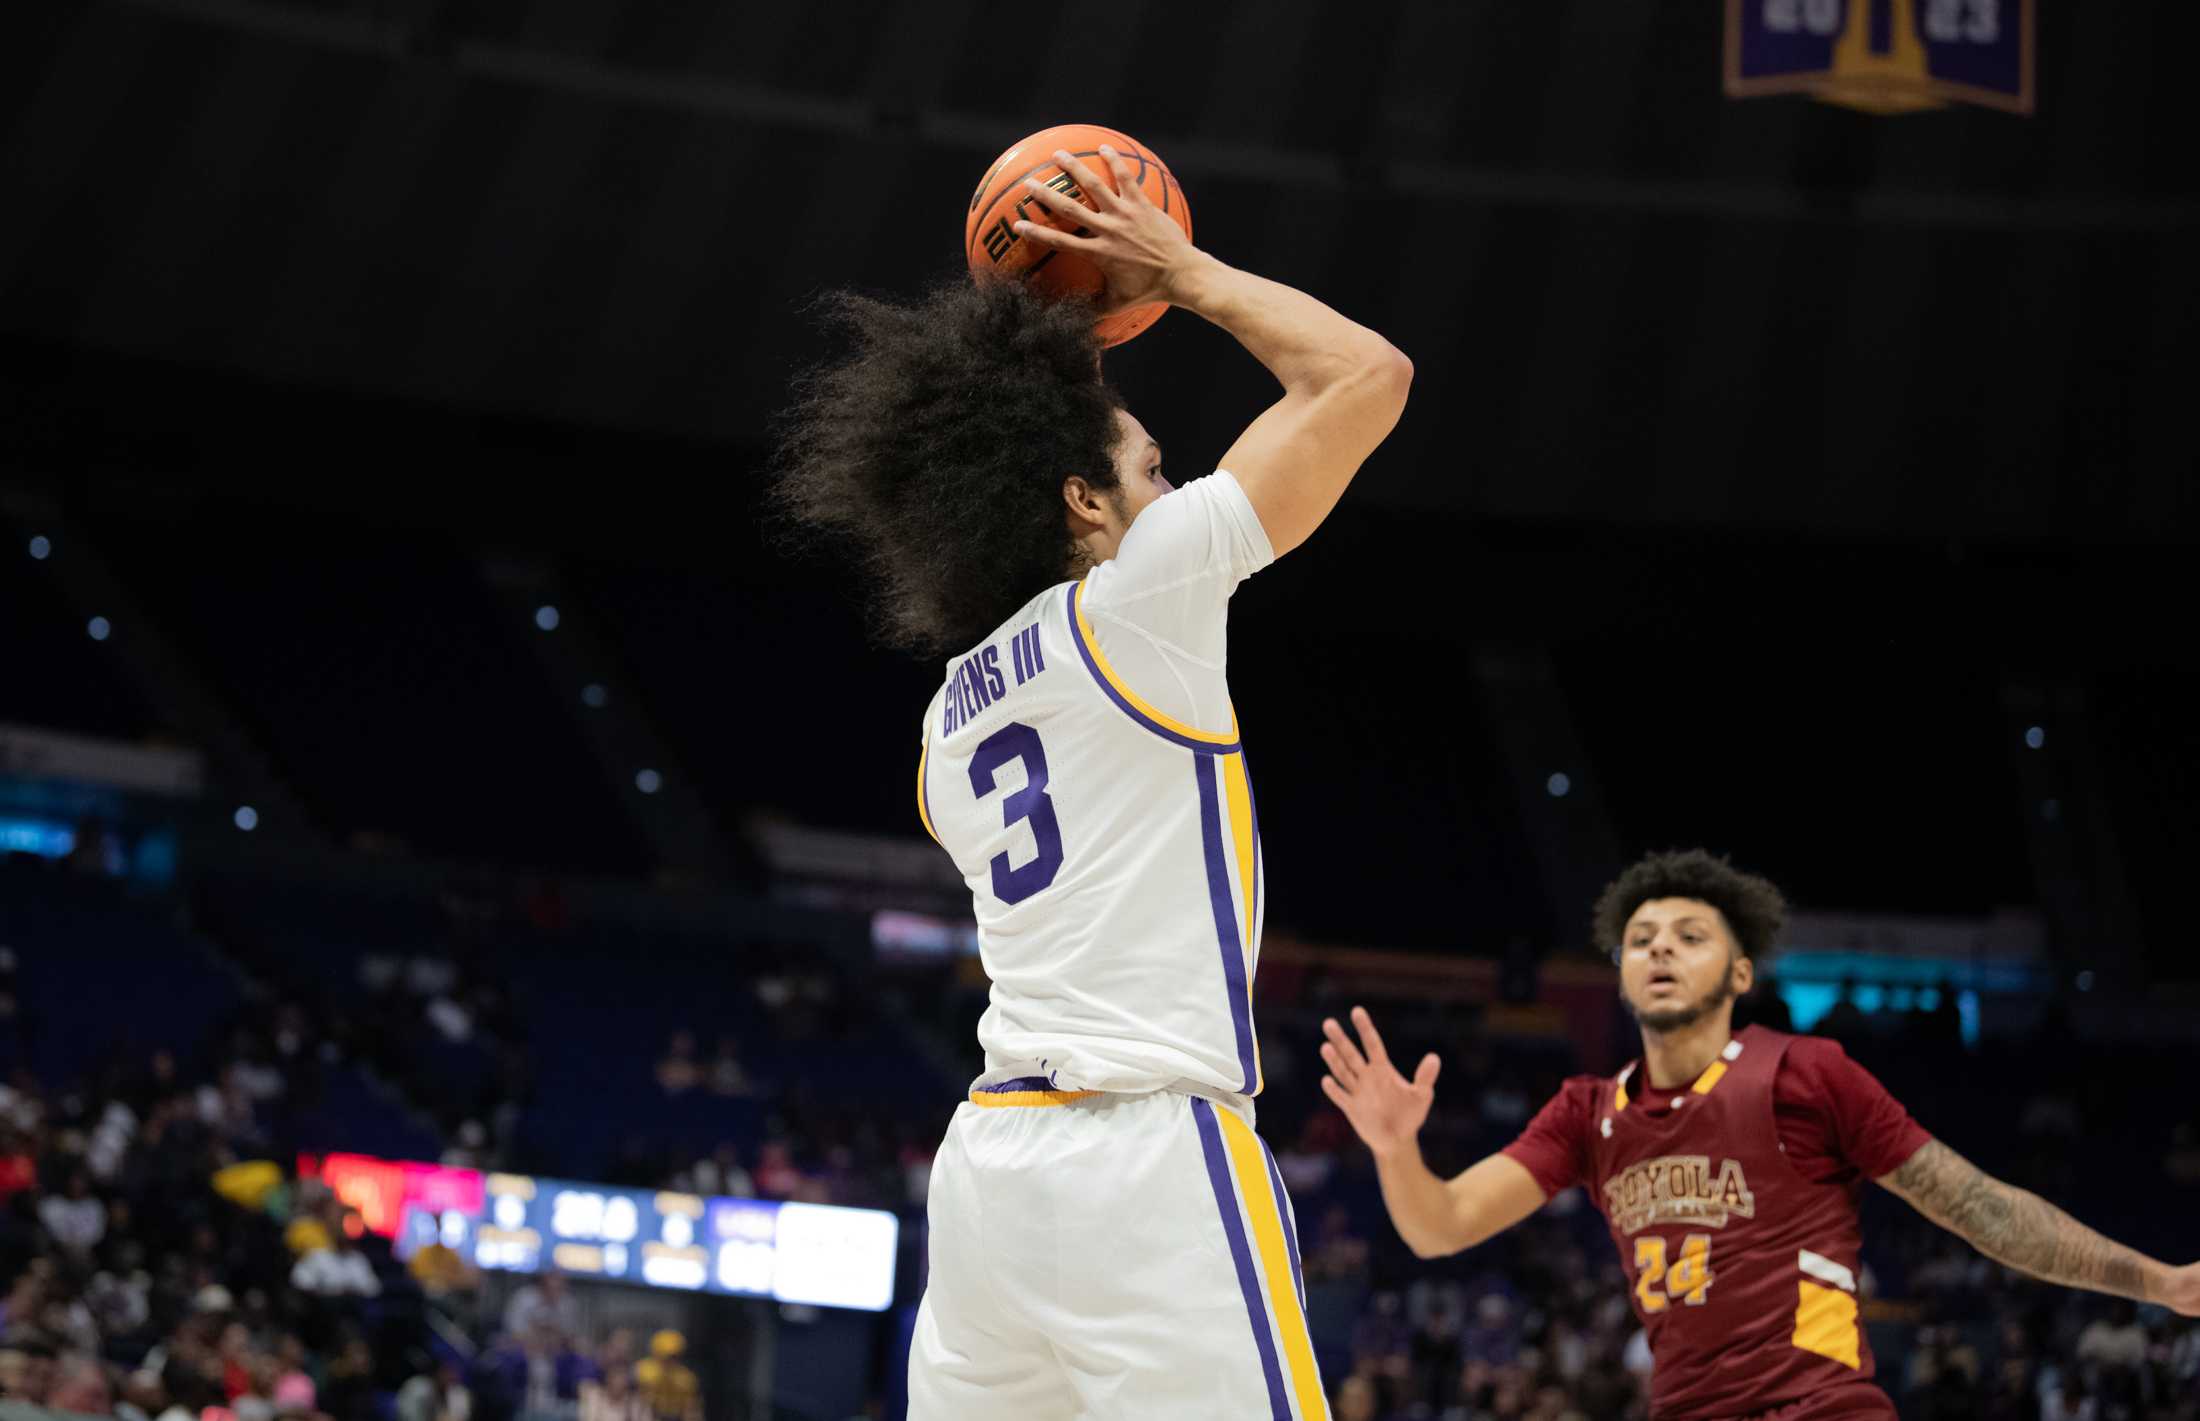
(1017, 741)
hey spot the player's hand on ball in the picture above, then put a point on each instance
(1137, 247)
(1383, 1106)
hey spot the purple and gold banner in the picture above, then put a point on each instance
(1883, 56)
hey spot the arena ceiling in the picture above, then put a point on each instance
(231, 225)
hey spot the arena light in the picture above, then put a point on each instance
(99, 628)
(648, 781)
(1559, 785)
(2035, 737)
(594, 697)
(41, 547)
(246, 818)
(546, 617)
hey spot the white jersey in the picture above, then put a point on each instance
(1082, 766)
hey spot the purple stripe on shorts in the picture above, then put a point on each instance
(1218, 1174)
(1099, 678)
(1283, 1216)
(1219, 897)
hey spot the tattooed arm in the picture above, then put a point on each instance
(2020, 1229)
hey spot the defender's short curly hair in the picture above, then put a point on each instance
(1753, 908)
(935, 450)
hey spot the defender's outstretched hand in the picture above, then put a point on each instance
(1137, 247)
(1384, 1107)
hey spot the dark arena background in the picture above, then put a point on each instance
(467, 947)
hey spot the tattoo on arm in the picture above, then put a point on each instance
(2015, 1226)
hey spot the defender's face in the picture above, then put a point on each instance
(1678, 961)
(1138, 466)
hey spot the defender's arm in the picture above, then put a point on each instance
(2020, 1229)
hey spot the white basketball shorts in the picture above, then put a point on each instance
(1102, 1257)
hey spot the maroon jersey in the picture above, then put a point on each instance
(1733, 1202)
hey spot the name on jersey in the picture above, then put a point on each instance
(1678, 1189)
(979, 680)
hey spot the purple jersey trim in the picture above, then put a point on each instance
(1099, 678)
(1256, 1309)
(1225, 911)
(1290, 1225)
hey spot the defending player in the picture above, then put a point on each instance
(1727, 1165)
(1108, 1236)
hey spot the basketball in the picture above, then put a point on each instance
(992, 247)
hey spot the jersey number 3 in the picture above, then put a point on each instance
(1017, 741)
(1686, 1280)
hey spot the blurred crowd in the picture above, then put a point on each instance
(159, 1260)
(156, 1261)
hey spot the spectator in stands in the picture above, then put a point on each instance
(776, 1175)
(667, 1385)
(1357, 1400)
(615, 1398)
(348, 1392)
(77, 1220)
(1492, 1337)
(728, 1077)
(721, 1173)
(436, 1395)
(2115, 1342)
(545, 1305)
(28, 1370)
(339, 1270)
(677, 1070)
(1846, 1022)
(18, 1166)
(443, 1272)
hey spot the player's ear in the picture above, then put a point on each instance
(1745, 975)
(1087, 512)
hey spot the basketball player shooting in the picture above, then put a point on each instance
(1109, 1237)
(1728, 1166)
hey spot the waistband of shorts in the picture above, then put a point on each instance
(1025, 1092)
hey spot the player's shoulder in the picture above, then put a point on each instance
(1580, 1095)
(1794, 1050)
(1205, 528)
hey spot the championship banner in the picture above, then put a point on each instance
(1883, 56)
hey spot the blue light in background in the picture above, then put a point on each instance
(42, 837)
(1807, 1002)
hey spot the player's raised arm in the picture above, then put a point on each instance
(1434, 1216)
(2018, 1228)
(1344, 386)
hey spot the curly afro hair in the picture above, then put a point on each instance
(934, 450)
(1753, 908)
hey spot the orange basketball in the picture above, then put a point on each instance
(991, 245)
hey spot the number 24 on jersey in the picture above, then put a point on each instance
(1685, 1279)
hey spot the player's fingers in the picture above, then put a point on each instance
(1126, 176)
(1054, 200)
(1047, 236)
(1338, 1095)
(1424, 1078)
(1343, 1043)
(1094, 185)
(1334, 1059)
(1370, 1037)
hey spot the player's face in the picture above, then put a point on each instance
(1679, 962)
(1138, 466)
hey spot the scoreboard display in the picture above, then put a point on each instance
(753, 1248)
